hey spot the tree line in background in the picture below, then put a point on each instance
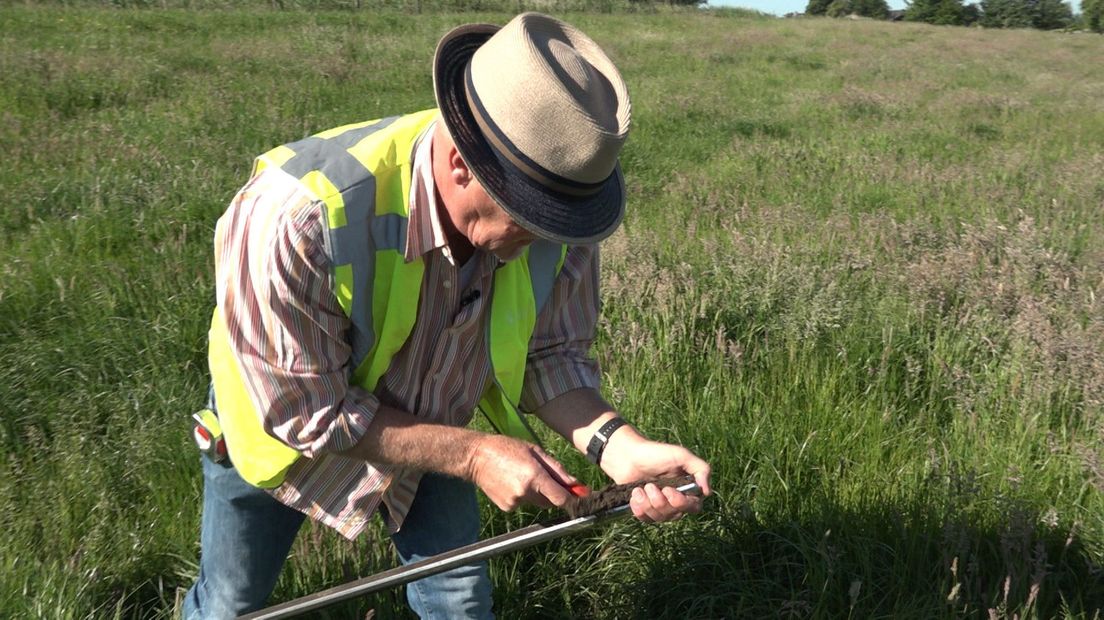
(1092, 13)
(1042, 14)
(841, 8)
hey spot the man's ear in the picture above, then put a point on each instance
(459, 172)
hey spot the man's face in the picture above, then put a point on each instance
(493, 230)
(472, 212)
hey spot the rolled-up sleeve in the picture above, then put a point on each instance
(559, 352)
(286, 328)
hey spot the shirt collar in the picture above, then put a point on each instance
(424, 232)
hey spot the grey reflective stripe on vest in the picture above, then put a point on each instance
(544, 256)
(348, 244)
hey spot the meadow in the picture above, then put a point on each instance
(861, 273)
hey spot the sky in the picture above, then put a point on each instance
(781, 7)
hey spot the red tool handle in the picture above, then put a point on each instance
(579, 490)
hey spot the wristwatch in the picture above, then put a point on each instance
(598, 442)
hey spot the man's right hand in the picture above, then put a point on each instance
(512, 472)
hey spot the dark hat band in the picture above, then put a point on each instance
(506, 148)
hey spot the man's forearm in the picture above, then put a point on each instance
(577, 415)
(510, 472)
(398, 438)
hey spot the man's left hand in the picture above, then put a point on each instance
(630, 457)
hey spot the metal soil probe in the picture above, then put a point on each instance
(583, 512)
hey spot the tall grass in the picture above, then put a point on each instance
(861, 273)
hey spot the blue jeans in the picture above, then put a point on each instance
(246, 536)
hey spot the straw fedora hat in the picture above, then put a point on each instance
(539, 114)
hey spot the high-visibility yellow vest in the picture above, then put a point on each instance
(362, 173)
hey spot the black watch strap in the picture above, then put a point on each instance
(598, 442)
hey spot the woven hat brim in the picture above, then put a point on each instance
(574, 220)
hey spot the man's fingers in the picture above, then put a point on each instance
(660, 508)
(539, 500)
(554, 468)
(682, 502)
(552, 483)
(652, 504)
(640, 506)
(550, 491)
(657, 507)
(700, 470)
(562, 484)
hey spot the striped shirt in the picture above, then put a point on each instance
(287, 332)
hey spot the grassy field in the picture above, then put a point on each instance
(861, 273)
